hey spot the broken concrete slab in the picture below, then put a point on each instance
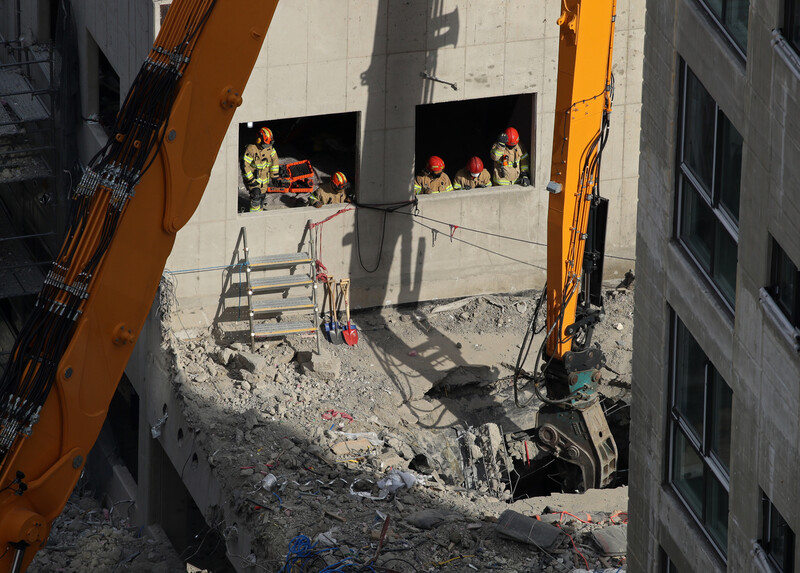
(351, 446)
(529, 530)
(462, 376)
(432, 518)
(250, 361)
(612, 540)
(324, 365)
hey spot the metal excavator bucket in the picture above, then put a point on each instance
(583, 439)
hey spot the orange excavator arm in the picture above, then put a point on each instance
(583, 102)
(571, 424)
(137, 192)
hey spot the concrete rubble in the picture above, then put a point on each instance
(361, 448)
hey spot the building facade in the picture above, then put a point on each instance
(716, 369)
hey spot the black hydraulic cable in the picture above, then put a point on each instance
(112, 173)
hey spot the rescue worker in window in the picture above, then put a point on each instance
(433, 178)
(259, 165)
(334, 191)
(511, 162)
(473, 175)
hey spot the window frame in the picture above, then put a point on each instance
(779, 257)
(791, 14)
(678, 426)
(688, 182)
(768, 511)
(719, 20)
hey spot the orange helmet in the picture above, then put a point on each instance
(338, 180)
(512, 137)
(475, 166)
(435, 164)
(266, 135)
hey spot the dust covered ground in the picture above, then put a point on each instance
(360, 450)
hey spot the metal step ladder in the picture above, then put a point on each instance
(277, 305)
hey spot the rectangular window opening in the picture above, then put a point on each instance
(777, 538)
(791, 23)
(700, 418)
(107, 92)
(732, 17)
(784, 284)
(329, 143)
(456, 131)
(709, 180)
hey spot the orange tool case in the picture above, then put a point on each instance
(297, 177)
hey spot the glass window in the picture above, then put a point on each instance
(732, 16)
(791, 25)
(785, 284)
(700, 460)
(709, 180)
(777, 538)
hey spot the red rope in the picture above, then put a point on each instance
(339, 212)
(322, 272)
(576, 548)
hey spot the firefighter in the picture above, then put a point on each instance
(334, 191)
(511, 162)
(259, 165)
(433, 178)
(472, 175)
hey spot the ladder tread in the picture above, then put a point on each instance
(282, 260)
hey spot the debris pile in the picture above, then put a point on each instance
(88, 537)
(356, 456)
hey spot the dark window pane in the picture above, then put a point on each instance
(687, 473)
(698, 135)
(717, 512)
(730, 173)
(779, 540)
(697, 225)
(721, 411)
(715, 6)
(784, 285)
(690, 380)
(725, 256)
(791, 28)
(736, 20)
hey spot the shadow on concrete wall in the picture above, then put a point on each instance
(378, 232)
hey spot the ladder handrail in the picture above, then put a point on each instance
(246, 250)
(313, 264)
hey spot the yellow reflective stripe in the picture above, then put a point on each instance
(248, 175)
(254, 209)
(497, 154)
(261, 165)
(274, 169)
(248, 159)
(456, 186)
(449, 188)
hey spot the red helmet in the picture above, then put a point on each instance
(512, 137)
(266, 135)
(435, 164)
(475, 165)
(338, 180)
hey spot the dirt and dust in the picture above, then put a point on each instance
(355, 457)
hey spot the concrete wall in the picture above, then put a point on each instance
(124, 32)
(751, 349)
(365, 56)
